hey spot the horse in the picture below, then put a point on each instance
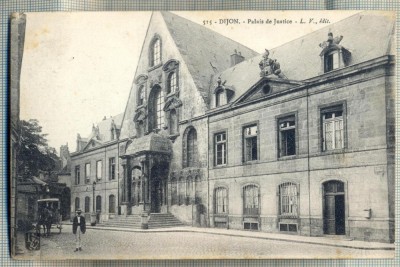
(45, 219)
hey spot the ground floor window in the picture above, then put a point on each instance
(98, 204)
(77, 204)
(251, 200)
(111, 203)
(87, 204)
(221, 200)
(288, 199)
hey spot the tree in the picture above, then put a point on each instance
(35, 155)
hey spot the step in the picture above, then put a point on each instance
(156, 220)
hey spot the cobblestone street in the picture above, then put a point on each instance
(100, 244)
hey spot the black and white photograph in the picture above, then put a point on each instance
(202, 135)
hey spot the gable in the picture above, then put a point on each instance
(267, 87)
(204, 51)
(92, 144)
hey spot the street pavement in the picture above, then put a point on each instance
(100, 244)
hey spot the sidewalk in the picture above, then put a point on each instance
(334, 241)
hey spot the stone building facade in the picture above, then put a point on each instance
(299, 139)
(95, 171)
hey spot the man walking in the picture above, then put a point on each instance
(78, 228)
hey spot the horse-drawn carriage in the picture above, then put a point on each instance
(48, 214)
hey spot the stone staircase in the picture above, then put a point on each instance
(163, 220)
(157, 220)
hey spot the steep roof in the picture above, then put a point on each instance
(367, 35)
(204, 51)
(105, 127)
(102, 133)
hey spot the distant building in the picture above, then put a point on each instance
(299, 139)
(64, 175)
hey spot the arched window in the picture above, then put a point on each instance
(111, 204)
(172, 83)
(87, 204)
(288, 200)
(155, 52)
(157, 99)
(173, 122)
(141, 95)
(77, 204)
(251, 200)
(174, 191)
(98, 204)
(192, 148)
(221, 201)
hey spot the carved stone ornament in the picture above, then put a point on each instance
(140, 115)
(331, 43)
(172, 103)
(142, 78)
(170, 65)
(270, 66)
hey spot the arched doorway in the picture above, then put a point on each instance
(334, 208)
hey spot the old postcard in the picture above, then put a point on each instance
(203, 135)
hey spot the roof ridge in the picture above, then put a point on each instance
(194, 23)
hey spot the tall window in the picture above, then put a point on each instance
(111, 168)
(77, 174)
(220, 149)
(250, 143)
(331, 60)
(221, 200)
(111, 204)
(332, 128)
(250, 200)
(87, 204)
(99, 169)
(172, 83)
(77, 204)
(98, 204)
(191, 148)
(156, 52)
(87, 172)
(141, 95)
(158, 109)
(288, 199)
(174, 191)
(287, 136)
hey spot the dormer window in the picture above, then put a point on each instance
(155, 52)
(331, 61)
(220, 98)
(333, 56)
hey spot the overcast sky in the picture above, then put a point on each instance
(79, 67)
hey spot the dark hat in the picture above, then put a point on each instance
(78, 211)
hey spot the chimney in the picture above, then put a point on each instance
(236, 58)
